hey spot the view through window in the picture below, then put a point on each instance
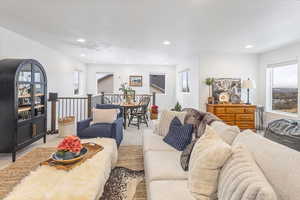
(284, 88)
(158, 83)
(76, 82)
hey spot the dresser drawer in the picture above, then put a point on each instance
(230, 123)
(226, 117)
(244, 117)
(235, 110)
(220, 110)
(249, 110)
(246, 125)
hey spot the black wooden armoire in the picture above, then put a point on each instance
(23, 104)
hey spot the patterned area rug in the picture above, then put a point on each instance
(130, 157)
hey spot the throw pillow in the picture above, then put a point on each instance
(241, 178)
(104, 115)
(165, 121)
(179, 136)
(226, 132)
(186, 155)
(208, 156)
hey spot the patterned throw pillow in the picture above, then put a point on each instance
(179, 136)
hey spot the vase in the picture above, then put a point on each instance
(210, 100)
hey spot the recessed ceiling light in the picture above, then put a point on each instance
(249, 46)
(166, 42)
(82, 55)
(81, 40)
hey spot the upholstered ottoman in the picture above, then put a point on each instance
(85, 182)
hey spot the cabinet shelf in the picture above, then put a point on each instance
(27, 108)
(28, 96)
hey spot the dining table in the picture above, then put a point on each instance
(126, 107)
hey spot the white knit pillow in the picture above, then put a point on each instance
(104, 115)
(242, 179)
(226, 132)
(208, 156)
(165, 121)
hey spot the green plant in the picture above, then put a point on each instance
(177, 107)
(209, 82)
(124, 88)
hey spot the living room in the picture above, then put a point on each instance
(225, 72)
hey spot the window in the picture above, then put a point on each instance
(282, 86)
(185, 81)
(76, 75)
(158, 83)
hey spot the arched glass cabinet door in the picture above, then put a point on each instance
(24, 92)
(39, 91)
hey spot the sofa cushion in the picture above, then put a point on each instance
(153, 142)
(169, 190)
(179, 135)
(163, 165)
(226, 132)
(208, 156)
(104, 115)
(241, 178)
(278, 163)
(165, 121)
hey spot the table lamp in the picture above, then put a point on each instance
(248, 84)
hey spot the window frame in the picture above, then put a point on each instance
(270, 83)
(189, 80)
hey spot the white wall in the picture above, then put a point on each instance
(287, 53)
(59, 68)
(226, 65)
(191, 99)
(122, 73)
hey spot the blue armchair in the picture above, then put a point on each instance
(113, 130)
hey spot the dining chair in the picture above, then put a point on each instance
(140, 114)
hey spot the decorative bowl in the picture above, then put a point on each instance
(69, 157)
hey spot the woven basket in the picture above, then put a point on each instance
(66, 126)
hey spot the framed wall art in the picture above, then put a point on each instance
(229, 86)
(136, 81)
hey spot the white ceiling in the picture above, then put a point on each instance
(132, 31)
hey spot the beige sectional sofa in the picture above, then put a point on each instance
(166, 180)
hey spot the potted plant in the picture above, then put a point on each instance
(177, 107)
(209, 82)
(126, 89)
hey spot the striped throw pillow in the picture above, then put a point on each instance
(179, 135)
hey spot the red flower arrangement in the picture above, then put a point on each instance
(154, 109)
(71, 144)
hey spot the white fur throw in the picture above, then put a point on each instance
(85, 182)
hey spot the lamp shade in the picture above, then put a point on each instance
(248, 84)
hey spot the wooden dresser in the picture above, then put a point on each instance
(241, 115)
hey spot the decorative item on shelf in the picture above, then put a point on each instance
(232, 86)
(136, 81)
(248, 84)
(177, 107)
(235, 99)
(69, 150)
(224, 97)
(154, 112)
(209, 82)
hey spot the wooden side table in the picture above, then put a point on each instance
(241, 115)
